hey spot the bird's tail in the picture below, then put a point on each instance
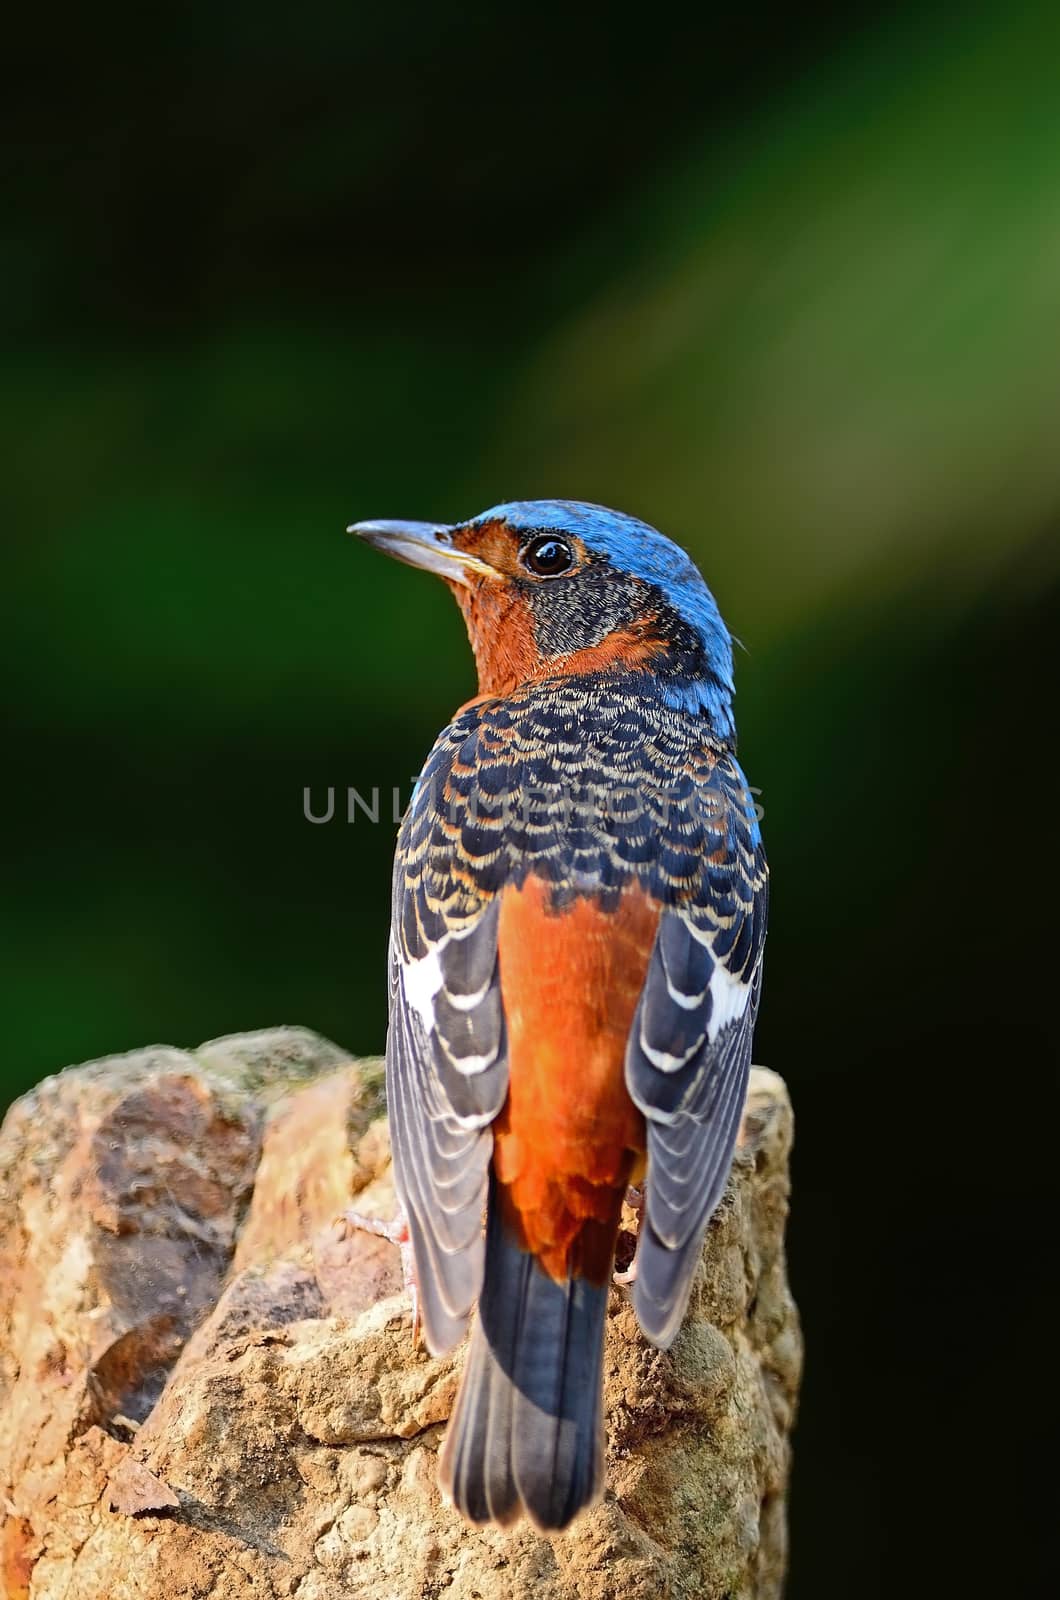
(527, 1431)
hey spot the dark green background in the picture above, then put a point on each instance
(789, 289)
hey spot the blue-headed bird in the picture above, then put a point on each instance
(579, 912)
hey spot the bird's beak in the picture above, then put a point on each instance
(424, 544)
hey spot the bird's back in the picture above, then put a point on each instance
(589, 784)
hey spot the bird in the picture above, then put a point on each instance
(579, 908)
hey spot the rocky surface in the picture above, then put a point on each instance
(207, 1391)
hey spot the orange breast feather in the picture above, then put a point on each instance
(569, 1136)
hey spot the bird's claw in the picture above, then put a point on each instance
(635, 1201)
(396, 1230)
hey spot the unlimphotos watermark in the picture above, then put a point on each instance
(534, 805)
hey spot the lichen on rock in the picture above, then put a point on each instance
(207, 1389)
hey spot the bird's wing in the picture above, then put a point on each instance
(446, 1062)
(689, 1049)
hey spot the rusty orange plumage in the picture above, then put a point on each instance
(578, 919)
(569, 1135)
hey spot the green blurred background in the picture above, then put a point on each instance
(787, 287)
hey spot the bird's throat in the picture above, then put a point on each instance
(501, 630)
(500, 626)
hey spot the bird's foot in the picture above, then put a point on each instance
(396, 1230)
(627, 1239)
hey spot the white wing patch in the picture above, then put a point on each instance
(728, 999)
(421, 981)
(687, 1002)
(664, 1060)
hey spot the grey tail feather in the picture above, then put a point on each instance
(526, 1433)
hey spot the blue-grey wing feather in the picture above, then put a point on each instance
(688, 1059)
(445, 1083)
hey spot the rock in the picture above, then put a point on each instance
(207, 1390)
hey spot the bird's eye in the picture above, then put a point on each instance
(547, 557)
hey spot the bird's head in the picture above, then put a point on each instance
(557, 587)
